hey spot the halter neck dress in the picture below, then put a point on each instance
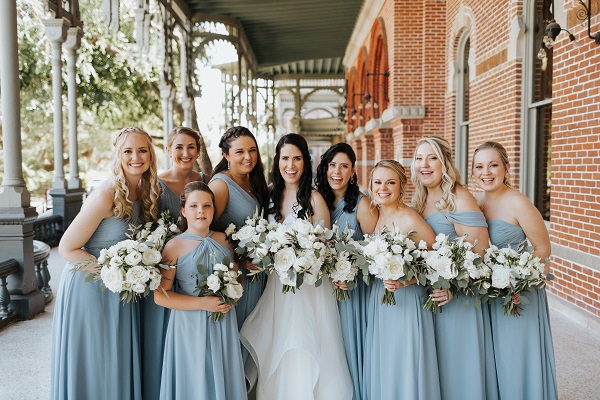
(462, 331)
(154, 318)
(295, 341)
(522, 345)
(95, 336)
(353, 311)
(202, 358)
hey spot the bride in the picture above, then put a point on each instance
(295, 339)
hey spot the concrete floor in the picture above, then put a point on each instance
(25, 351)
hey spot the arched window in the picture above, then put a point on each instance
(536, 128)
(462, 105)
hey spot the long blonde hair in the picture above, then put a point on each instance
(501, 152)
(148, 186)
(450, 176)
(397, 168)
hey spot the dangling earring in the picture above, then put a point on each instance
(228, 165)
(352, 181)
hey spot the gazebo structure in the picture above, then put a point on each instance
(379, 74)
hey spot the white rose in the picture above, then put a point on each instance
(370, 249)
(151, 257)
(112, 278)
(213, 283)
(155, 278)
(116, 261)
(261, 252)
(245, 233)
(397, 249)
(138, 275)
(220, 267)
(285, 279)
(500, 278)
(230, 230)
(133, 258)
(231, 276)
(343, 271)
(396, 268)
(138, 287)
(284, 259)
(260, 228)
(422, 245)
(234, 290)
(174, 228)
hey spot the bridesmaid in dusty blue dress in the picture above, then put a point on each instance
(400, 350)
(336, 180)
(95, 337)
(202, 358)
(240, 189)
(523, 346)
(183, 146)
(463, 335)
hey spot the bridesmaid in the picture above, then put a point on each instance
(522, 346)
(400, 355)
(95, 337)
(202, 358)
(336, 180)
(464, 348)
(183, 146)
(240, 189)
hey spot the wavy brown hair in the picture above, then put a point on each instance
(194, 187)
(148, 189)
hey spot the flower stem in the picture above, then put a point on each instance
(388, 298)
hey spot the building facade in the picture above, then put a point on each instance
(474, 71)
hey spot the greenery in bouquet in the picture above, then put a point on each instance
(345, 261)
(223, 282)
(392, 255)
(514, 272)
(449, 266)
(248, 241)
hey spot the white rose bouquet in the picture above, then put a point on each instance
(345, 261)
(449, 266)
(223, 283)
(296, 252)
(131, 266)
(514, 272)
(392, 255)
(248, 240)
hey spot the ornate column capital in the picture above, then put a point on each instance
(73, 39)
(56, 29)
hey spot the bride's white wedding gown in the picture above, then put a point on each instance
(295, 340)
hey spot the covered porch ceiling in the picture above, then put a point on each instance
(290, 37)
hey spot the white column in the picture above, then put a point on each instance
(72, 45)
(13, 192)
(167, 93)
(184, 63)
(56, 30)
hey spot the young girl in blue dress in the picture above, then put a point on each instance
(336, 180)
(202, 358)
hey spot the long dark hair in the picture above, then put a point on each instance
(258, 183)
(305, 185)
(196, 186)
(322, 184)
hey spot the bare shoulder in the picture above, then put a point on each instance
(465, 201)
(221, 238)
(316, 198)
(102, 198)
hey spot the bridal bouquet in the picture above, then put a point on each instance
(223, 283)
(392, 255)
(296, 252)
(449, 266)
(514, 272)
(131, 267)
(248, 240)
(344, 261)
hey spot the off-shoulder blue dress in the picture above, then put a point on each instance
(95, 337)
(522, 345)
(240, 206)
(202, 358)
(462, 331)
(154, 318)
(353, 311)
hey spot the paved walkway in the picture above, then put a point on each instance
(25, 353)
